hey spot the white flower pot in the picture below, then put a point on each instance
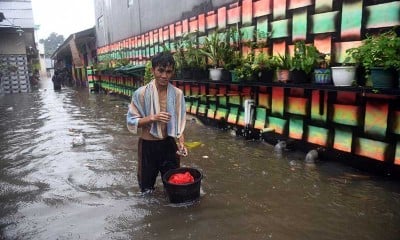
(215, 74)
(343, 75)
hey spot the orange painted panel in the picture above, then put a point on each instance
(202, 22)
(323, 43)
(193, 25)
(233, 15)
(263, 100)
(293, 4)
(211, 20)
(278, 100)
(222, 17)
(172, 31)
(185, 26)
(261, 8)
(279, 47)
(279, 9)
(371, 148)
(376, 118)
(247, 11)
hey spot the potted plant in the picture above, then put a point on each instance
(283, 65)
(243, 71)
(183, 70)
(218, 50)
(380, 56)
(303, 62)
(196, 60)
(264, 66)
(322, 72)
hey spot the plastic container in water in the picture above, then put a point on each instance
(180, 193)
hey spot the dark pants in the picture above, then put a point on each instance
(154, 157)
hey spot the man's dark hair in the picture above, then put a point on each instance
(163, 59)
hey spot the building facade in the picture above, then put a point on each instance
(19, 58)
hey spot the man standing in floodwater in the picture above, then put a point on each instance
(158, 108)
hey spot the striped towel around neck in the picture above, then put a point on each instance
(146, 101)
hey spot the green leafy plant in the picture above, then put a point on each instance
(148, 74)
(263, 61)
(381, 50)
(244, 70)
(283, 61)
(305, 57)
(217, 48)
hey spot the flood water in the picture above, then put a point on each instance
(52, 190)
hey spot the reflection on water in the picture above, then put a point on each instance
(50, 189)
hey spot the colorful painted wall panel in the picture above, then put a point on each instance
(278, 101)
(370, 148)
(278, 124)
(397, 156)
(324, 22)
(343, 139)
(234, 14)
(247, 33)
(202, 23)
(247, 12)
(233, 115)
(280, 28)
(211, 20)
(323, 6)
(376, 118)
(222, 18)
(296, 128)
(261, 8)
(351, 20)
(202, 109)
(293, 4)
(279, 9)
(264, 101)
(299, 24)
(345, 114)
(383, 15)
(396, 122)
(262, 29)
(259, 122)
(221, 113)
(318, 135)
(319, 105)
(297, 105)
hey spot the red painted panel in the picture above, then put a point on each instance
(166, 33)
(178, 30)
(193, 25)
(279, 48)
(234, 15)
(293, 4)
(185, 26)
(261, 8)
(323, 43)
(222, 17)
(279, 9)
(160, 34)
(202, 22)
(247, 11)
(211, 20)
(346, 97)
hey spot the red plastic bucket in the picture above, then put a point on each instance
(180, 193)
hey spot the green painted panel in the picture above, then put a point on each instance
(280, 28)
(277, 124)
(391, 16)
(296, 128)
(345, 114)
(299, 24)
(262, 29)
(343, 139)
(351, 15)
(247, 33)
(324, 22)
(318, 135)
(371, 148)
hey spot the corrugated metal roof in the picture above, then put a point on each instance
(17, 13)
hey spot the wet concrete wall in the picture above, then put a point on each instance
(116, 21)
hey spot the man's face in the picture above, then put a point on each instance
(163, 74)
